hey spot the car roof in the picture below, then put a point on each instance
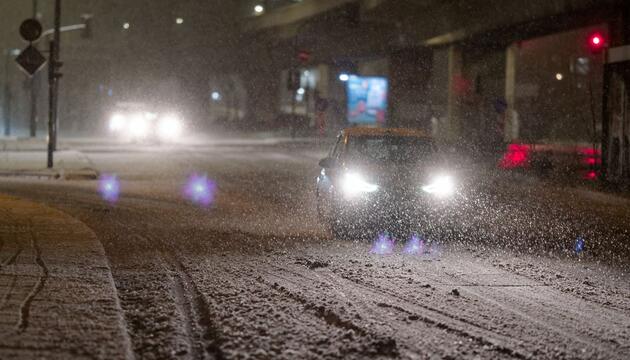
(374, 131)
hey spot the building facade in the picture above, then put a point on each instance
(477, 72)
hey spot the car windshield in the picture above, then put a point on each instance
(396, 149)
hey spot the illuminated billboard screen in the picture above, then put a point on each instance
(367, 100)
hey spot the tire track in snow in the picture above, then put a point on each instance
(518, 305)
(181, 287)
(490, 295)
(25, 307)
(379, 299)
(202, 335)
(26, 351)
(197, 311)
(371, 344)
(547, 322)
(7, 296)
(12, 258)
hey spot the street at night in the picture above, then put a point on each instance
(255, 273)
(314, 179)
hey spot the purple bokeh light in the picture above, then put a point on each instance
(415, 245)
(109, 187)
(433, 249)
(580, 244)
(384, 245)
(200, 190)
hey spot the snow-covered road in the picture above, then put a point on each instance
(257, 276)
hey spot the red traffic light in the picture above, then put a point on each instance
(596, 42)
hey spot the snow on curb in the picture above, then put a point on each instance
(69, 165)
(59, 298)
(82, 174)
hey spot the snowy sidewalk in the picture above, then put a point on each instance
(29, 158)
(19, 144)
(218, 139)
(57, 294)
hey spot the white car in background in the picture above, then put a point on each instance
(132, 122)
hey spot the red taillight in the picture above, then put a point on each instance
(517, 156)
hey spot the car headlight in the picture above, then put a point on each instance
(169, 128)
(354, 184)
(138, 126)
(116, 122)
(441, 186)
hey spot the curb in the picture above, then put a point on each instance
(53, 174)
(61, 300)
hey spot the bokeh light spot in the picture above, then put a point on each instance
(580, 244)
(200, 190)
(109, 187)
(415, 245)
(384, 245)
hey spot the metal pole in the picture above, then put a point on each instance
(294, 73)
(51, 106)
(293, 91)
(621, 36)
(7, 95)
(55, 84)
(605, 118)
(626, 79)
(34, 86)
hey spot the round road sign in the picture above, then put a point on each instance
(31, 30)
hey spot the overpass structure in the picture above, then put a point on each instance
(474, 71)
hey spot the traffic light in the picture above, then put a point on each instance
(596, 42)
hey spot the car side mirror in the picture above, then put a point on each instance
(327, 162)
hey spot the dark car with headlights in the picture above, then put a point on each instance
(382, 179)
